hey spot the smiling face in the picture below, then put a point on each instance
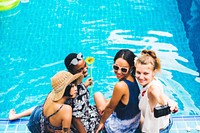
(144, 73)
(76, 64)
(81, 67)
(119, 68)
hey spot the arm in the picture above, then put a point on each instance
(116, 97)
(78, 125)
(88, 82)
(66, 119)
(156, 95)
(172, 104)
(162, 99)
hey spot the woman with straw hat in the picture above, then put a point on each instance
(54, 115)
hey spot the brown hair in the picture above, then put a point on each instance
(149, 56)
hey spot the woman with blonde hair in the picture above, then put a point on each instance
(152, 95)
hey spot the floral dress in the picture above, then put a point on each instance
(82, 109)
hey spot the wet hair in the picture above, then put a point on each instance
(127, 55)
(149, 56)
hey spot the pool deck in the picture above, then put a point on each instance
(181, 124)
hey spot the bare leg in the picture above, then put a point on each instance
(100, 102)
(99, 99)
(14, 116)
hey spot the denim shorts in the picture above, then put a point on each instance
(34, 121)
(166, 130)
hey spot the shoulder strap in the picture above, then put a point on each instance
(55, 112)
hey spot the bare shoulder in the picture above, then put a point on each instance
(120, 86)
(66, 108)
(65, 111)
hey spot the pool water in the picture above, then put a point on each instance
(36, 36)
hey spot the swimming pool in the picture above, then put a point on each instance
(36, 36)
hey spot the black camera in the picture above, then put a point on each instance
(161, 111)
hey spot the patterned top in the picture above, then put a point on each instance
(82, 109)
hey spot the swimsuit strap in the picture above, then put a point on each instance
(55, 112)
(47, 122)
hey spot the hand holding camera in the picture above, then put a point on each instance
(161, 111)
(165, 110)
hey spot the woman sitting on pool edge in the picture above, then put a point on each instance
(121, 113)
(82, 121)
(54, 115)
(152, 95)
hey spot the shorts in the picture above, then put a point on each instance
(34, 121)
(166, 130)
(115, 125)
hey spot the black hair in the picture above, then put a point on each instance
(68, 89)
(127, 55)
(68, 60)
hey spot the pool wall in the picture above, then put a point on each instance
(190, 15)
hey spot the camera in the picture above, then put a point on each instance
(161, 111)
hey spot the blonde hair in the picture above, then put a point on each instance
(149, 56)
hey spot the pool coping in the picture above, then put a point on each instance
(25, 120)
(182, 124)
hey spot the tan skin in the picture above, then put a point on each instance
(120, 93)
(50, 107)
(60, 118)
(80, 67)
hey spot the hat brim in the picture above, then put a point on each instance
(55, 96)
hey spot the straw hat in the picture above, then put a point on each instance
(60, 81)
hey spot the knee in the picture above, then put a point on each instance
(98, 95)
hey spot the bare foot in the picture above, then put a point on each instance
(12, 115)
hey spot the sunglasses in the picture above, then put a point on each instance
(123, 69)
(76, 59)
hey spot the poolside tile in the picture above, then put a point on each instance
(2, 127)
(181, 124)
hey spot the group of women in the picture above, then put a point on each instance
(130, 108)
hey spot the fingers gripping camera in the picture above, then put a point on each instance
(161, 111)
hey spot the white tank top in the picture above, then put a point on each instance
(151, 124)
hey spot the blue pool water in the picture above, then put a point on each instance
(36, 36)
